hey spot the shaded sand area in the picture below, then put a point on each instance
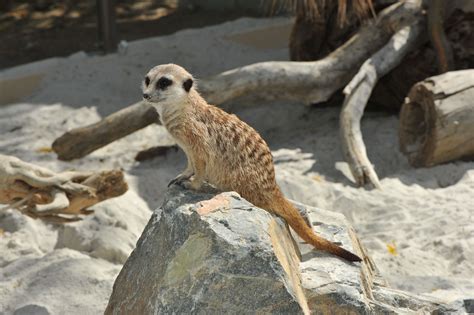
(418, 229)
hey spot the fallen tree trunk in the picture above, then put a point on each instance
(437, 120)
(308, 82)
(79, 142)
(357, 94)
(312, 82)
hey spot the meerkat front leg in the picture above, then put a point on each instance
(185, 175)
(197, 180)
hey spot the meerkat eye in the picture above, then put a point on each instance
(163, 83)
(147, 81)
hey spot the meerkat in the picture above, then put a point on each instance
(223, 150)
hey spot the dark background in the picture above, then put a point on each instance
(38, 29)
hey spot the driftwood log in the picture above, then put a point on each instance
(55, 197)
(312, 82)
(79, 142)
(357, 94)
(308, 82)
(437, 119)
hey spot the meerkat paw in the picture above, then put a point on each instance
(178, 180)
(192, 184)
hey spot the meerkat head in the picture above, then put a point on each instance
(167, 85)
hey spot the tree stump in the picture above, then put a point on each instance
(437, 119)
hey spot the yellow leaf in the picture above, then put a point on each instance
(2, 232)
(318, 178)
(44, 150)
(392, 249)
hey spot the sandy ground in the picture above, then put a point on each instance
(426, 215)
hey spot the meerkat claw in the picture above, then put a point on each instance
(178, 180)
(191, 184)
(186, 184)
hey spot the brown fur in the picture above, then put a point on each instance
(229, 154)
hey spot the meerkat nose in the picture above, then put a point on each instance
(146, 96)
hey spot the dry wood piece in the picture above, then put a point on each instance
(437, 119)
(79, 142)
(55, 197)
(311, 82)
(357, 94)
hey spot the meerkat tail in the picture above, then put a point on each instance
(287, 211)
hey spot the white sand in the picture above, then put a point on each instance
(425, 213)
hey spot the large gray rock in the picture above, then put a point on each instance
(214, 254)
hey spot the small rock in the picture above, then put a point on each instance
(32, 309)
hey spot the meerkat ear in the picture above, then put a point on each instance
(188, 84)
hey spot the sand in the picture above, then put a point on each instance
(425, 215)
